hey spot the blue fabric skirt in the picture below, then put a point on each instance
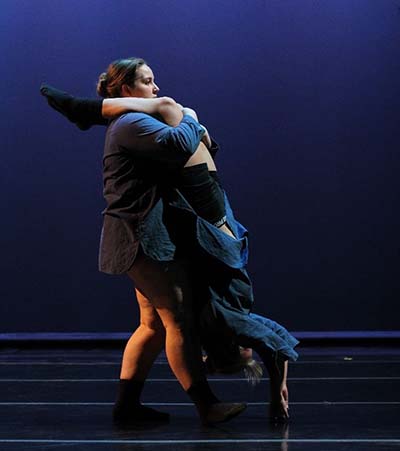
(223, 289)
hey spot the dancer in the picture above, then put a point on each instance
(137, 149)
(226, 286)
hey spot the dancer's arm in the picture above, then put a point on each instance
(170, 111)
(152, 141)
(166, 107)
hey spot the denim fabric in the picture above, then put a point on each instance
(223, 290)
(273, 335)
(154, 236)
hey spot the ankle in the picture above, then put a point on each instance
(202, 396)
(128, 393)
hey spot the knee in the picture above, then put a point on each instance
(174, 318)
(155, 329)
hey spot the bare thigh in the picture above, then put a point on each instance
(163, 289)
(202, 155)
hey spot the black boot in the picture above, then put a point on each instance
(128, 409)
(211, 410)
(82, 112)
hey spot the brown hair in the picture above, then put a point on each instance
(119, 72)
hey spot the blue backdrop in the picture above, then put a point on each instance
(303, 96)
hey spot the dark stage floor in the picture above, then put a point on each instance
(61, 399)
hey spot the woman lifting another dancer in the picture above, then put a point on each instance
(193, 221)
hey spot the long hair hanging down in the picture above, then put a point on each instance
(253, 371)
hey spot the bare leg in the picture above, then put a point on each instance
(145, 344)
(139, 355)
(201, 155)
(167, 288)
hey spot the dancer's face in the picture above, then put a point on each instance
(144, 86)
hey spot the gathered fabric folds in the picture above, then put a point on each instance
(222, 287)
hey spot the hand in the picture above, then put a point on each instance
(206, 139)
(190, 112)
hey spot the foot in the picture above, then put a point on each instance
(139, 414)
(79, 111)
(221, 412)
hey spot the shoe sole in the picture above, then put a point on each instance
(234, 412)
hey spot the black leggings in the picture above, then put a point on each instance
(202, 189)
